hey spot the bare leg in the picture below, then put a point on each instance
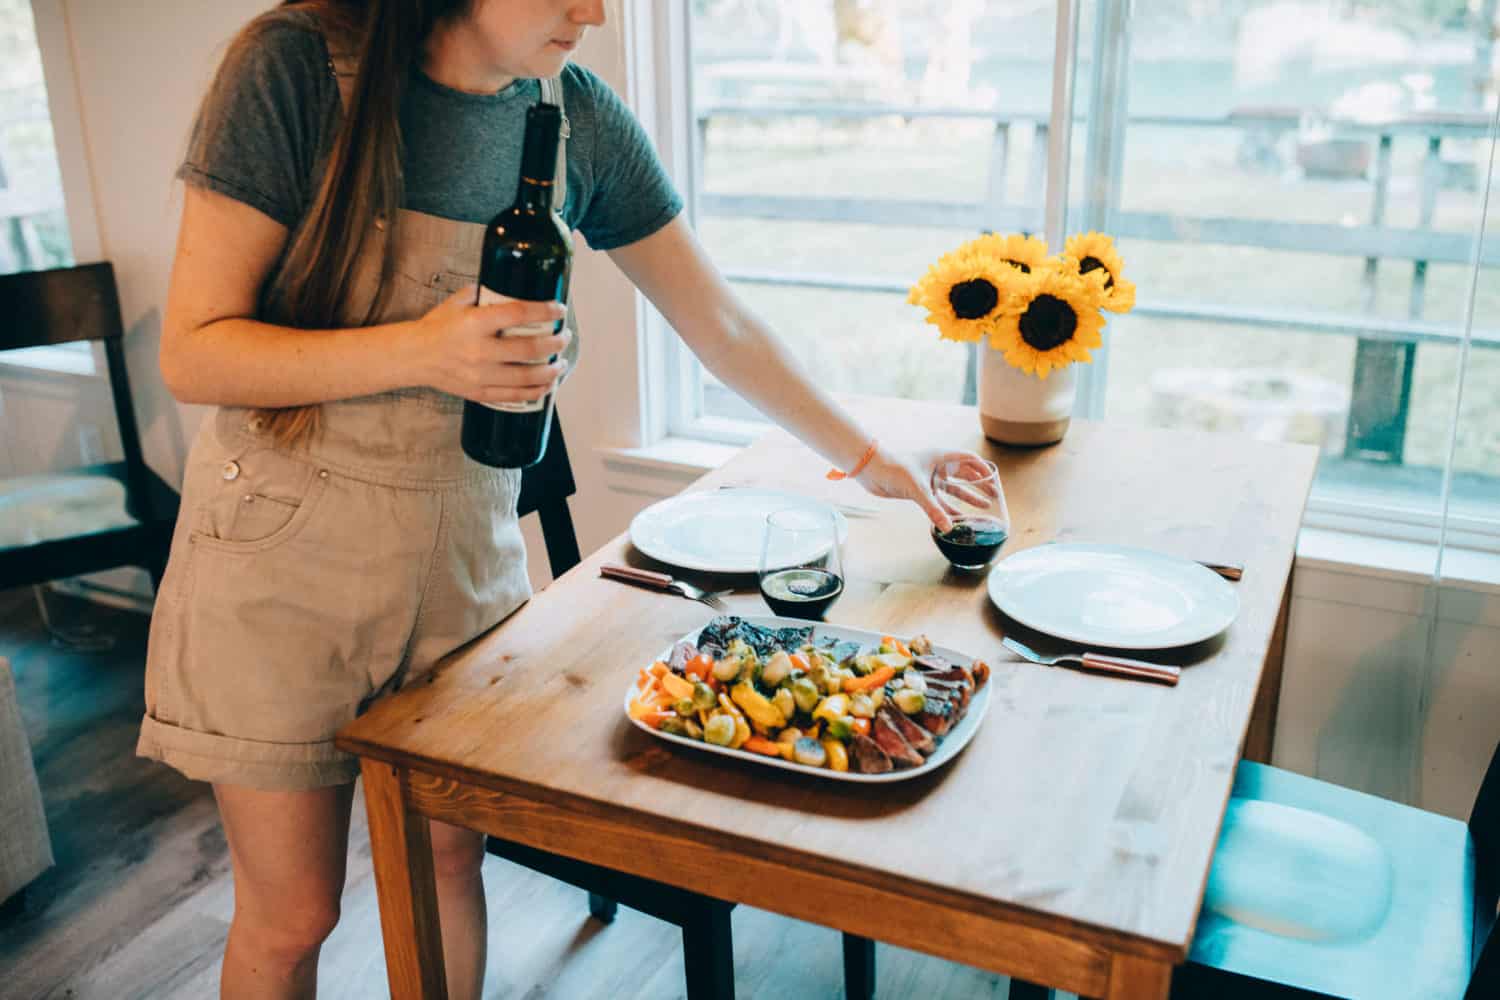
(288, 851)
(456, 858)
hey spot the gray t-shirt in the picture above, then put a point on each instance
(274, 112)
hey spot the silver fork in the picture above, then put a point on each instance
(652, 580)
(1163, 673)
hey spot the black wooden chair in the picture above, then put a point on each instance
(1321, 891)
(707, 943)
(118, 513)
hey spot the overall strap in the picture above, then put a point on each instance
(552, 93)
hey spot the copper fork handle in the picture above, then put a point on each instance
(1162, 672)
(643, 577)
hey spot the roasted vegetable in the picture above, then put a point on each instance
(761, 745)
(784, 702)
(838, 757)
(720, 729)
(776, 669)
(675, 726)
(685, 707)
(677, 687)
(809, 752)
(703, 696)
(832, 707)
(910, 701)
(805, 694)
(727, 668)
(877, 678)
(841, 728)
(862, 706)
(914, 680)
(757, 706)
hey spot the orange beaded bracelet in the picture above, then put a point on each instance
(858, 466)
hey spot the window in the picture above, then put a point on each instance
(1296, 188)
(33, 219)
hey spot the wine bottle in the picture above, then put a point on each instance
(528, 254)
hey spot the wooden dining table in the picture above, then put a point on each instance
(1067, 845)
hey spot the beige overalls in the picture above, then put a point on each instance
(305, 583)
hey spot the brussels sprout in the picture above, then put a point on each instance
(914, 680)
(720, 730)
(674, 726)
(841, 728)
(820, 676)
(704, 697)
(909, 701)
(776, 669)
(805, 693)
(784, 702)
(684, 707)
(809, 752)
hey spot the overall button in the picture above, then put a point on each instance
(230, 471)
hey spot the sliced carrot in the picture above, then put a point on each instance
(643, 680)
(655, 718)
(700, 666)
(800, 662)
(861, 726)
(869, 682)
(658, 668)
(759, 744)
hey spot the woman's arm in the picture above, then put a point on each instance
(213, 351)
(676, 274)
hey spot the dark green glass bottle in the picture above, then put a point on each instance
(528, 254)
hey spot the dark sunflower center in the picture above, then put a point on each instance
(1022, 267)
(1093, 264)
(1048, 322)
(973, 299)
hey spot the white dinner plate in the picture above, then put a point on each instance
(947, 748)
(1113, 596)
(720, 531)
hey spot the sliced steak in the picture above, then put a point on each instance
(953, 691)
(939, 715)
(920, 739)
(931, 662)
(953, 675)
(889, 739)
(868, 757)
(681, 654)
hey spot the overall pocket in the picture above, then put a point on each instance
(259, 500)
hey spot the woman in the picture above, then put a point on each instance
(334, 540)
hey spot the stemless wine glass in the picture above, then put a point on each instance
(970, 491)
(801, 567)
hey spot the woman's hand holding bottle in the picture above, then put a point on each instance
(458, 349)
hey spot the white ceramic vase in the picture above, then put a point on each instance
(1020, 409)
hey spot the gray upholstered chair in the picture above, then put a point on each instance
(25, 850)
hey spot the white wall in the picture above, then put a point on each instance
(1356, 706)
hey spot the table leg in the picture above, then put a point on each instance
(708, 951)
(401, 846)
(1133, 978)
(1261, 735)
(859, 968)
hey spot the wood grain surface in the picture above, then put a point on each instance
(1081, 819)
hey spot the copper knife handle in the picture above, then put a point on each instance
(1229, 571)
(640, 577)
(1162, 672)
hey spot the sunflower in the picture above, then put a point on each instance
(1096, 252)
(1053, 321)
(965, 293)
(1024, 253)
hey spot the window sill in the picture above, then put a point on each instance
(1326, 558)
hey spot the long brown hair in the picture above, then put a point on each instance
(362, 183)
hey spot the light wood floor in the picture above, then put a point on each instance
(140, 899)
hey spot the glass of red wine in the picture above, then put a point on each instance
(970, 491)
(801, 566)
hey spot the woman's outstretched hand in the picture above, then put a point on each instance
(908, 476)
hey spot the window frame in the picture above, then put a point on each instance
(673, 390)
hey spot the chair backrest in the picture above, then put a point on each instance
(59, 306)
(67, 305)
(1484, 831)
(545, 488)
